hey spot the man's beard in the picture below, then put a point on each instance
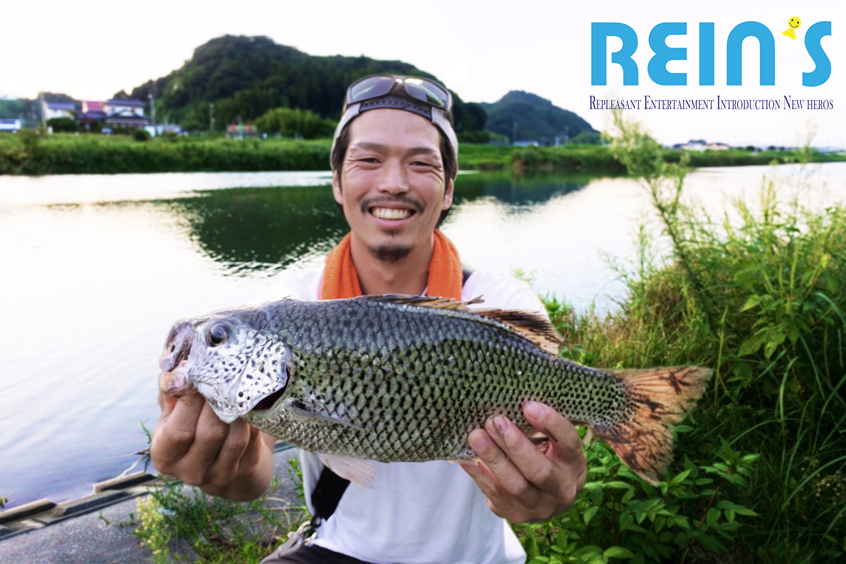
(390, 253)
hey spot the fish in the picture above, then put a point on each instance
(397, 378)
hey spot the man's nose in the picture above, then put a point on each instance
(394, 178)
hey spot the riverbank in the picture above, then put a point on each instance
(32, 154)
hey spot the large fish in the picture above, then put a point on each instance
(407, 378)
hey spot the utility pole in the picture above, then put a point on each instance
(152, 96)
(43, 110)
(211, 117)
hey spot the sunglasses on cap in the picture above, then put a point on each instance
(420, 89)
(421, 96)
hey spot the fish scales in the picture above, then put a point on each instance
(489, 370)
(407, 379)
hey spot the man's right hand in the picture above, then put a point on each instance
(190, 442)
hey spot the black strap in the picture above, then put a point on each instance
(327, 493)
(330, 487)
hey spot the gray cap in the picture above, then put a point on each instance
(435, 115)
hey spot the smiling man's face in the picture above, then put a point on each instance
(392, 185)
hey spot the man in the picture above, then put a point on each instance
(394, 159)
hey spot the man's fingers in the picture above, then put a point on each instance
(563, 435)
(229, 464)
(531, 462)
(507, 474)
(176, 429)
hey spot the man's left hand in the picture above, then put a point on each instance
(522, 482)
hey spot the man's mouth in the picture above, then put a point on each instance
(391, 213)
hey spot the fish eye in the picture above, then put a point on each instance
(218, 334)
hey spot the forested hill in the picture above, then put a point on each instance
(246, 76)
(537, 118)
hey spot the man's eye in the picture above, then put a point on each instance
(369, 160)
(421, 163)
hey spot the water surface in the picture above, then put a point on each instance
(96, 268)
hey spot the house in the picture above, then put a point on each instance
(717, 146)
(161, 129)
(125, 112)
(91, 112)
(52, 110)
(9, 124)
(692, 145)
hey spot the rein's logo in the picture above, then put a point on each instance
(657, 68)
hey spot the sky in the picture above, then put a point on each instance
(479, 50)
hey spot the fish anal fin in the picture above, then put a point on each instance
(434, 302)
(303, 412)
(359, 472)
(656, 400)
(532, 325)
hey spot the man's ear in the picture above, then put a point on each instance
(336, 188)
(450, 188)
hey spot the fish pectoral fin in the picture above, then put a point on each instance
(359, 472)
(299, 410)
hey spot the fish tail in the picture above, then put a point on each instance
(656, 399)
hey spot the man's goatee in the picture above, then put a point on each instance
(390, 253)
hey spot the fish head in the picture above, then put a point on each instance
(228, 360)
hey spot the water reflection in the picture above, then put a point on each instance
(268, 229)
(520, 191)
(249, 229)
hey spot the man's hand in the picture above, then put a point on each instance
(524, 483)
(191, 443)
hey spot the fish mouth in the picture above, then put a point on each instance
(268, 402)
(176, 383)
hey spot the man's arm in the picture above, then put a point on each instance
(191, 443)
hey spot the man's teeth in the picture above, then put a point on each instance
(390, 213)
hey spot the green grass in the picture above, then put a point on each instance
(99, 154)
(762, 301)
(178, 523)
(31, 153)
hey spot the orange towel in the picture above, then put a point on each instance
(340, 280)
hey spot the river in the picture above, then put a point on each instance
(96, 268)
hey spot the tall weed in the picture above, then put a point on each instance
(758, 296)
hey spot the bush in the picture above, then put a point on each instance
(294, 122)
(760, 299)
(141, 135)
(618, 515)
(63, 125)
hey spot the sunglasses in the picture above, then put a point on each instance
(420, 89)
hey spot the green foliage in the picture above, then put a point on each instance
(474, 137)
(63, 125)
(537, 118)
(294, 122)
(248, 76)
(617, 515)
(184, 524)
(758, 295)
(587, 138)
(3, 501)
(100, 154)
(141, 135)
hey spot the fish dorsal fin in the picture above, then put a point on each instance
(434, 302)
(531, 325)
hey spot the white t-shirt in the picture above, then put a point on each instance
(418, 512)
